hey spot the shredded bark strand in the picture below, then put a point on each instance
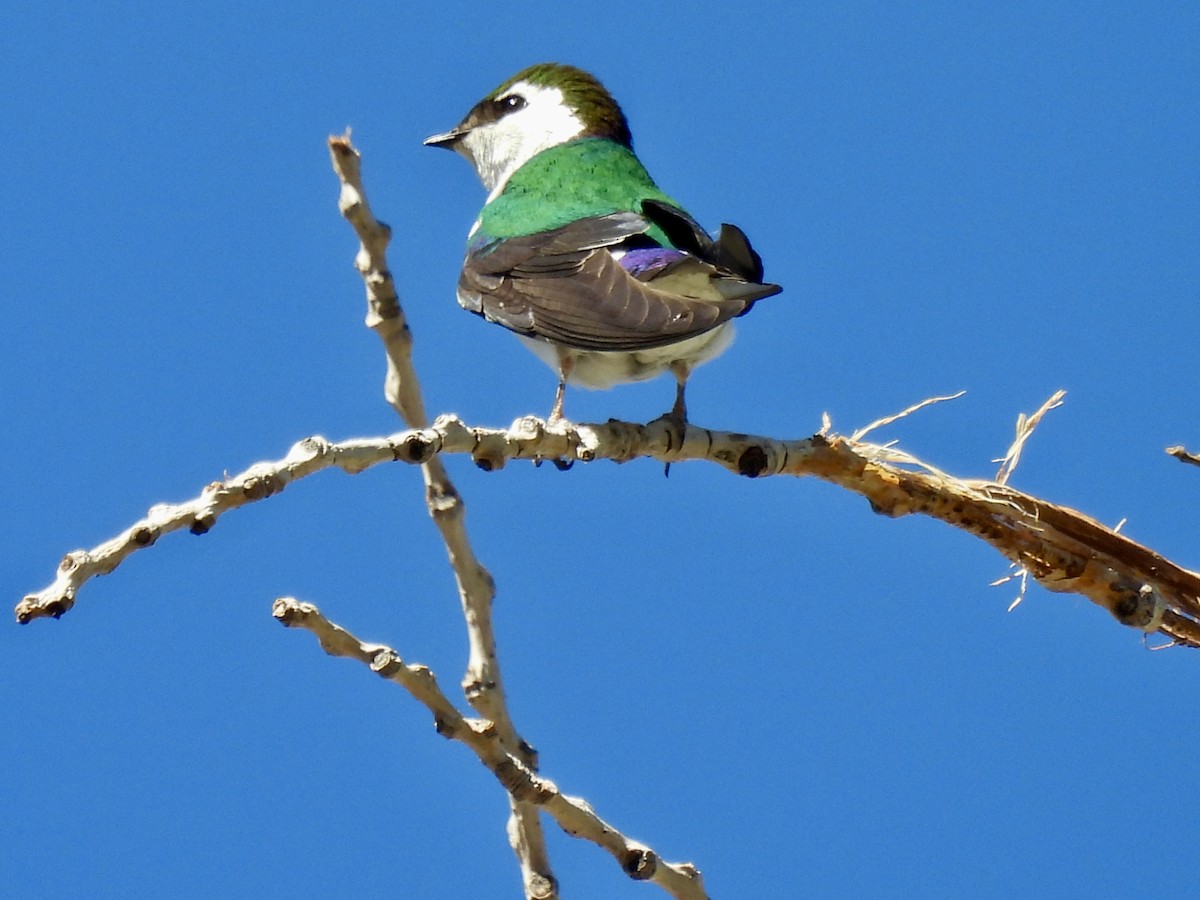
(1025, 429)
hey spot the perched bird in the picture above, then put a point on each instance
(604, 276)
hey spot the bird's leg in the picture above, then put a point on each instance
(681, 371)
(677, 417)
(566, 362)
(556, 411)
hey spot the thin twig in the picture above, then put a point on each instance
(483, 682)
(1182, 454)
(575, 816)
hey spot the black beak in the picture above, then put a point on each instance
(448, 139)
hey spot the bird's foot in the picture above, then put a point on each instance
(557, 422)
(676, 423)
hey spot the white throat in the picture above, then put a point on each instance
(499, 148)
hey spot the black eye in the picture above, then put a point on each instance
(509, 103)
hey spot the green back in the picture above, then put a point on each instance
(586, 177)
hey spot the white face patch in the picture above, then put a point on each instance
(499, 148)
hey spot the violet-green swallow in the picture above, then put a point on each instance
(604, 276)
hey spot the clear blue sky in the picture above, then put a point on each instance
(761, 677)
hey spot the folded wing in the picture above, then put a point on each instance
(564, 285)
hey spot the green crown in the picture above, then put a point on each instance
(581, 90)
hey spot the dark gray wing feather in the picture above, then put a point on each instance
(564, 285)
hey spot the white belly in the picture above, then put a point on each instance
(596, 369)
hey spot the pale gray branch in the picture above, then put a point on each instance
(574, 815)
(483, 681)
(1063, 549)
(1182, 454)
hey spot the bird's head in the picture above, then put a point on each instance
(540, 107)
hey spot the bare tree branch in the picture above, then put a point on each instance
(1063, 549)
(574, 815)
(483, 683)
(1182, 454)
